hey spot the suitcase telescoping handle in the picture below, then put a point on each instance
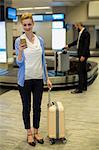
(49, 98)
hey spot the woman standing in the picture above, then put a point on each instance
(31, 76)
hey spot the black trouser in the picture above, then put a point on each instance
(82, 75)
(36, 87)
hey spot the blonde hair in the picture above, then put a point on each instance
(79, 23)
(26, 16)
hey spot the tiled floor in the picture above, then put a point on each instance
(81, 120)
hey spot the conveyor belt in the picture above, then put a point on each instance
(61, 80)
(93, 53)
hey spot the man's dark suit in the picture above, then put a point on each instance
(83, 50)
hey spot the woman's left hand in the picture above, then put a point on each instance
(49, 84)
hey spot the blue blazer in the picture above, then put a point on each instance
(21, 64)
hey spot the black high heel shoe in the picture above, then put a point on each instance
(40, 141)
(32, 143)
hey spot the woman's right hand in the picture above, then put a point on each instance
(22, 47)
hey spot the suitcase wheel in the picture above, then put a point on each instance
(52, 141)
(64, 140)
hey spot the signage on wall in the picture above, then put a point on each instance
(11, 13)
(3, 57)
(48, 17)
(93, 9)
(58, 38)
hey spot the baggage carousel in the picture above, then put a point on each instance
(59, 79)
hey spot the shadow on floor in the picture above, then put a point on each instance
(4, 89)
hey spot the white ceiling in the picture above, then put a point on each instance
(36, 3)
(40, 3)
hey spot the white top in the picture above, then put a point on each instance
(79, 37)
(33, 59)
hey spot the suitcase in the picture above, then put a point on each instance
(56, 123)
(62, 62)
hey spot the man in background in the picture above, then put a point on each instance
(83, 43)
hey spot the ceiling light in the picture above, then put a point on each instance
(28, 8)
(42, 8)
(48, 12)
(34, 8)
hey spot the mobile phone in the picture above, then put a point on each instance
(23, 41)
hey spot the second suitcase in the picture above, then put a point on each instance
(62, 62)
